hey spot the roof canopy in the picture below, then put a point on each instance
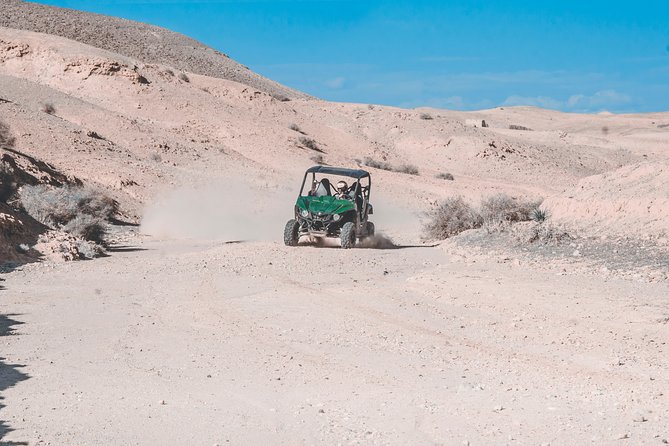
(353, 173)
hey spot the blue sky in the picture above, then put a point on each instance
(571, 55)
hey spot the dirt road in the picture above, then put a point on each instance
(248, 343)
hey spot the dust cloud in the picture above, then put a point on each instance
(252, 213)
(220, 212)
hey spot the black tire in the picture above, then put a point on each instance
(371, 230)
(291, 233)
(347, 235)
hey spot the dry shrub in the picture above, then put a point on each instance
(370, 162)
(309, 143)
(450, 218)
(519, 127)
(87, 227)
(409, 169)
(445, 176)
(500, 209)
(296, 128)
(82, 211)
(426, 116)
(318, 159)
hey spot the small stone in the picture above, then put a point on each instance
(624, 436)
(640, 418)
(321, 411)
(162, 402)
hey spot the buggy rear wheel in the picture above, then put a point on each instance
(291, 233)
(347, 235)
(371, 230)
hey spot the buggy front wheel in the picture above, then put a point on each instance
(291, 233)
(348, 235)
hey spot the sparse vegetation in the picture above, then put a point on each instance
(309, 143)
(296, 128)
(409, 169)
(81, 211)
(370, 162)
(426, 116)
(403, 168)
(94, 135)
(48, 108)
(501, 209)
(445, 176)
(156, 157)
(539, 215)
(318, 159)
(450, 218)
(184, 77)
(495, 213)
(519, 127)
(547, 234)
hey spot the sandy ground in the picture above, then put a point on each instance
(173, 342)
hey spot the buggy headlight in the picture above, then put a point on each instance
(304, 213)
(336, 217)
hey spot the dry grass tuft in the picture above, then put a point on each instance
(409, 169)
(519, 127)
(296, 128)
(318, 159)
(445, 176)
(48, 108)
(309, 143)
(370, 162)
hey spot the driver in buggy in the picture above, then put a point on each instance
(342, 191)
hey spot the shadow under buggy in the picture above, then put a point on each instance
(322, 210)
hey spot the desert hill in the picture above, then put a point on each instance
(145, 43)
